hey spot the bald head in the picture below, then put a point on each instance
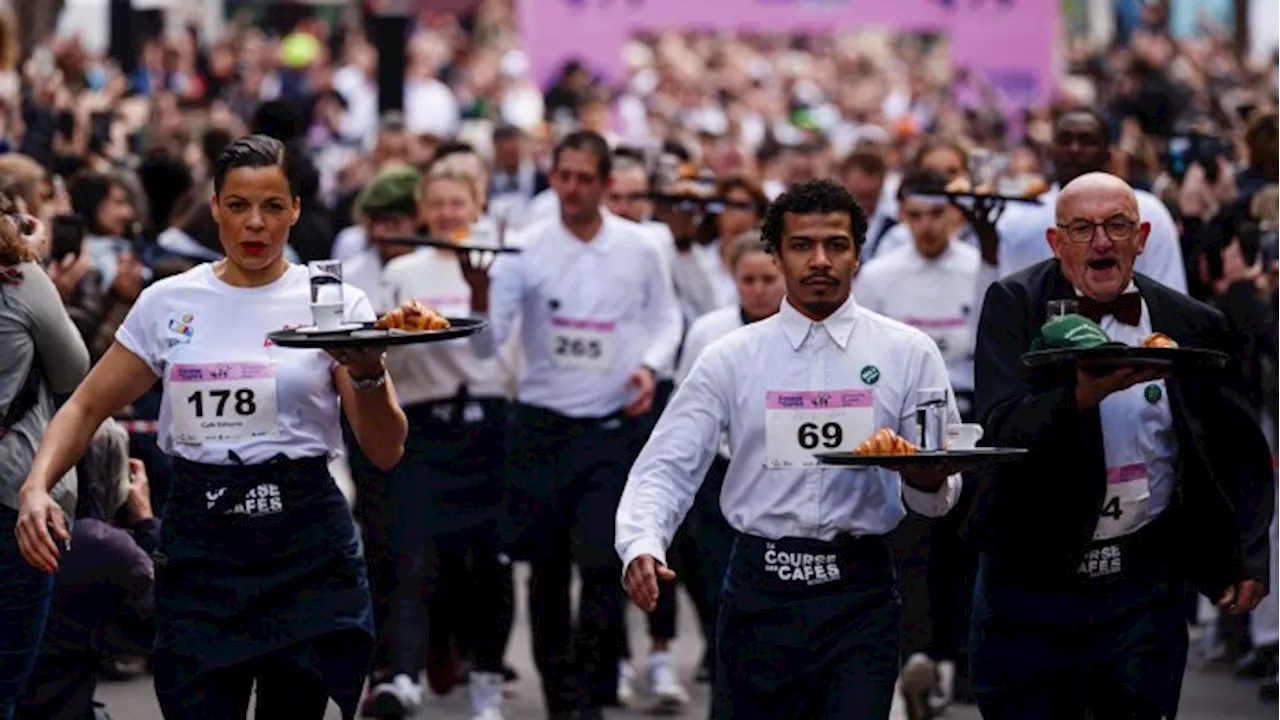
(1098, 234)
(1095, 186)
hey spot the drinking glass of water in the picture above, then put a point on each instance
(326, 293)
(1059, 308)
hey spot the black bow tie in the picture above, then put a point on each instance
(1126, 309)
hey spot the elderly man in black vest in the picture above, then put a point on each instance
(1138, 483)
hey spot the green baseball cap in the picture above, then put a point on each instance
(394, 190)
(1071, 332)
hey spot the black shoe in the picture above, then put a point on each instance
(1269, 692)
(1258, 663)
(509, 674)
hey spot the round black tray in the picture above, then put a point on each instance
(1115, 356)
(960, 196)
(444, 244)
(367, 335)
(953, 461)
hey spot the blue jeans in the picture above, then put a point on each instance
(24, 608)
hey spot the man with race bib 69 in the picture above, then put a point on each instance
(809, 615)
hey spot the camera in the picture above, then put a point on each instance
(1199, 148)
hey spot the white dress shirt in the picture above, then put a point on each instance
(1137, 431)
(933, 296)
(705, 331)
(364, 271)
(853, 373)
(436, 371)
(591, 313)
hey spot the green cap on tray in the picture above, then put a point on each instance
(1071, 332)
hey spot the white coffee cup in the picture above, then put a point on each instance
(963, 436)
(327, 316)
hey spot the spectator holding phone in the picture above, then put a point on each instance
(44, 358)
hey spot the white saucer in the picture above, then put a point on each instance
(343, 328)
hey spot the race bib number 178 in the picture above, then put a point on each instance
(801, 423)
(222, 402)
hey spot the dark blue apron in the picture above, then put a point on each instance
(256, 560)
(807, 629)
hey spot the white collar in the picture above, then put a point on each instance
(839, 324)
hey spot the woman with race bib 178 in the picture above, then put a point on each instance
(260, 578)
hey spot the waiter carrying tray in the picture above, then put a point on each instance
(809, 616)
(1138, 481)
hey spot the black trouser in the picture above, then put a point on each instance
(912, 542)
(469, 563)
(280, 687)
(374, 511)
(662, 621)
(446, 493)
(807, 629)
(1116, 650)
(564, 479)
(707, 545)
(935, 574)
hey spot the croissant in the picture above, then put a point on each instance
(1159, 340)
(885, 442)
(1035, 188)
(412, 316)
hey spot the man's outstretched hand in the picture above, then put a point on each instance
(642, 579)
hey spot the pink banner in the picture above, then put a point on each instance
(1013, 43)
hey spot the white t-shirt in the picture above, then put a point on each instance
(227, 388)
(435, 371)
(933, 296)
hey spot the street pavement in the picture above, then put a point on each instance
(1206, 695)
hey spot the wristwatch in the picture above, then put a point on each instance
(369, 383)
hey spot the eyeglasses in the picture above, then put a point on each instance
(1119, 229)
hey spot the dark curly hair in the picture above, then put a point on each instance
(812, 198)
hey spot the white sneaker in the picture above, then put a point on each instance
(944, 693)
(919, 677)
(664, 683)
(397, 699)
(626, 686)
(486, 695)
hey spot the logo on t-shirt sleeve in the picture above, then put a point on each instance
(181, 329)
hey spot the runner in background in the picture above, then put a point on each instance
(706, 538)
(628, 197)
(596, 321)
(447, 491)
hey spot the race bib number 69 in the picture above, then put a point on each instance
(802, 423)
(221, 402)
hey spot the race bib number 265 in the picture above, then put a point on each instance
(801, 423)
(581, 344)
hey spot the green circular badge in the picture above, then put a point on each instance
(870, 374)
(1153, 393)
